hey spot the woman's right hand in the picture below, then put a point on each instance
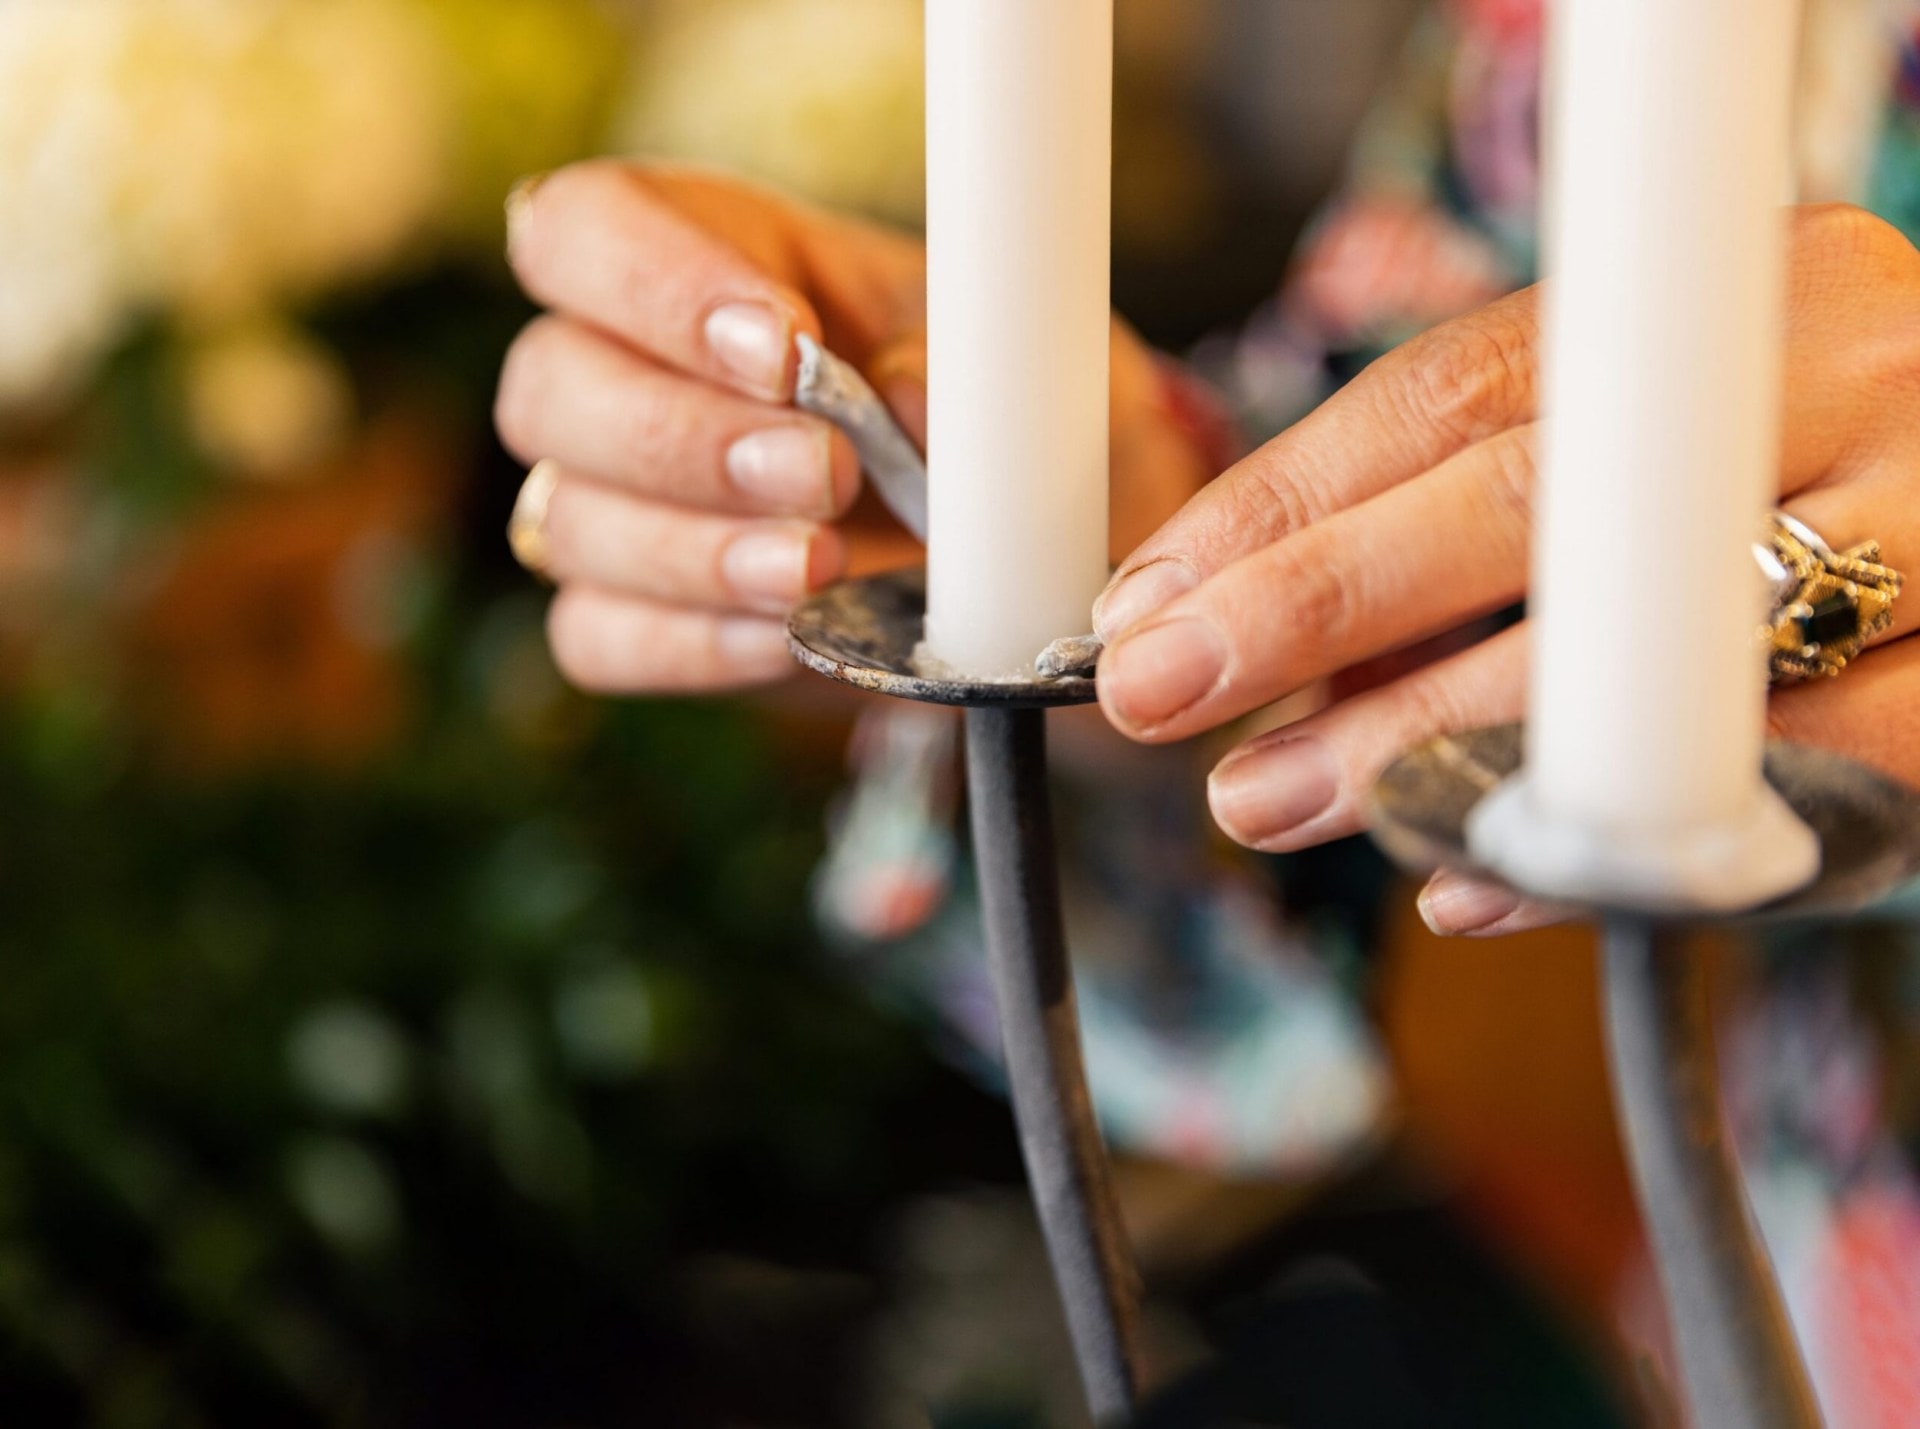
(693, 506)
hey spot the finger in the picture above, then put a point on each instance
(707, 272)
(602, 537)
(868, 283)
(597, 241)
(1869, 712)
(613, 645)
(574, 395)
(1874, 505)
(1311, 782)
(1467, 379)
(1419, 559)
(1458, 384)
(1456, 904)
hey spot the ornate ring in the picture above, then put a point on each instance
(527, 528)
(1827, 605)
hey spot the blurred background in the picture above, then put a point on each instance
(389, 1036)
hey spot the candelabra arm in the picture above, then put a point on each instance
(1743, 1365)
(1040, 1033)
(1739, 1363)
(865, 633)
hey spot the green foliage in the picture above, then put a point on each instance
(321, 1097)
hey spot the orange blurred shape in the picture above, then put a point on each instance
(268, 634)
(1502, 1074)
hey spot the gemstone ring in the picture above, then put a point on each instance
(1827, 605)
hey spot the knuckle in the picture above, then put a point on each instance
(580, 646)
(1886, 370)
(1850, 230)
(525, 380)
(658, 434)
(1842, 254)
(1483, 685)
(1430, 704)
(1469, 376)
(1272, 498)
(1315, 592)
(1511, 471)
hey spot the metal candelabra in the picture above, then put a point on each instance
(1739, 1362)
(864, 634)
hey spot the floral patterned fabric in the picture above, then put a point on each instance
(1437, 215)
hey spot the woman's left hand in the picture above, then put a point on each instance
(1400, 511)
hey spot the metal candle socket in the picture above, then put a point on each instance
(1741, 1365)
(864, 634)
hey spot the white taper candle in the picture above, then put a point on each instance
(1668, 150)
(1019, 219)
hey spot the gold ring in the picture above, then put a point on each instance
(527, 528)
(1828, 605)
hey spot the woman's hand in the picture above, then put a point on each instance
(1400, 511)
(694, 506)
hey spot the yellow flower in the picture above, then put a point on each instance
(532, 88)
(822, 97)
(272, 148)
(201, 158)
(267, 402)
(61, 286)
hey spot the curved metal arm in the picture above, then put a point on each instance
(1738, 1355)
(1040, 1030)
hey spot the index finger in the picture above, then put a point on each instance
(595, 241)
(1428, 399)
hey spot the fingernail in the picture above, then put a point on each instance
(1136, 594)
(755, 646)
(775, 570)
(754, 343)
(1457, 905)
(1263, 795)
(1151, 677)
(785, 469)
(519, 205)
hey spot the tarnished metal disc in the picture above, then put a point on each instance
(864, 633)
(1868, 824)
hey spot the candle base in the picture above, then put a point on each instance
(1864, 827)
(867, 634)
(1456, 800)
(1712, 868)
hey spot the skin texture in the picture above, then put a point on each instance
(694, 505)
(1401, 509)
(1350, 551)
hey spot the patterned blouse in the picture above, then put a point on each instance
(1223, 1034)
(1435, 219)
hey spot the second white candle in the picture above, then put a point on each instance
(1665, 226)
